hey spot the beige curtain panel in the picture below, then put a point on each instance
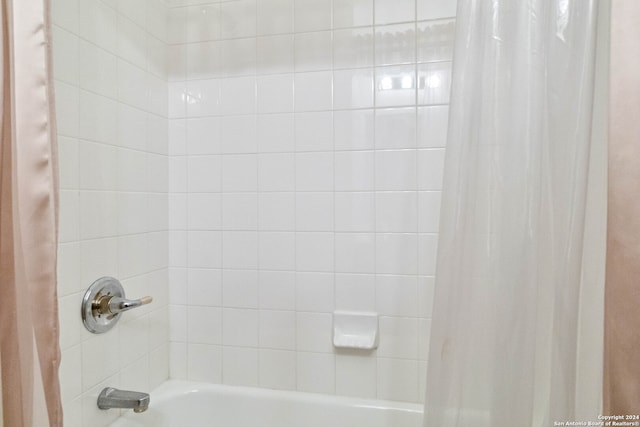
(622, 290)
(29, 349)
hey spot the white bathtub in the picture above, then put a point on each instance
(189, 404)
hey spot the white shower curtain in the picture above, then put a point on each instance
(504, 339)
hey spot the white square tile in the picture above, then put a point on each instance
(275, 93)
(316, 372)
(204, 287)
(314, 292)
(313, 51)
(240, 249)
(131, 128)
(432, 126)
(314, 131)
(398, 379)
(356, 375)
(202, 97)
(204, 363)
(98, 214)
(353, 89)
(314, 332)
(312, 15)
(277, 329)
(240, 366)
(204, 135)
(397, 295)
(355, 252)
(97, 69)
(314, 211)
(314, 172)
(354, 171)
(392, 11)
(240, 211)
(277, 290)
(355, 211)
(238, 95)
(397, 211)
(276, 211)
(204, 325)
(396, 170)
(203, 174)
(274, 17)
(240, 173)
(314, 251)
(240, 327)
(276, 133)
(431, 169)
(276, 251)
(204, 249)
(398, 337)
(277, 369)
(98, 24)
(276, 172)
(355, 292)
(98, 118)
(239, 135)
(395, 86)
(353, 48)
(313, 91)
(434, 83)
(352, 13)
(97, 161)
(178, 246)
(396, 128)
(353, 130)
(204, 211)
(274, 54)
(240, 288)
(396, 253)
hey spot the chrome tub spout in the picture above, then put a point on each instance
(113, 398)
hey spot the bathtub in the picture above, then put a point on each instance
(190, 404)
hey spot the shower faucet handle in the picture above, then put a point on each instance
(104, 302)
(108, 304)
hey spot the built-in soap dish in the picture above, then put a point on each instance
(355, 330)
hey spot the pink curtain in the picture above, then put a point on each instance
(621, 394)
(29, 348)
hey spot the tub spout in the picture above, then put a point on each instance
(113, 398)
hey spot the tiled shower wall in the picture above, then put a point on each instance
(111, 93)
(306, 141)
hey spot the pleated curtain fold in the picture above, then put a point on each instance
(29, 332)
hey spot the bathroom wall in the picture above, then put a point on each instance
(306, 152)
(111, 98)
